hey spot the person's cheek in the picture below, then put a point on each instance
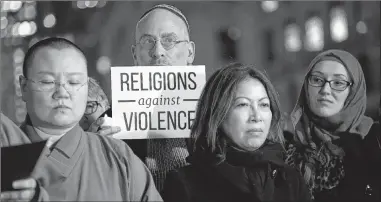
(312, 95)
(42, 104)
(180, 57)
(143, 57)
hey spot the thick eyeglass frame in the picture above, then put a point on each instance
(94, 108)
(310, 77)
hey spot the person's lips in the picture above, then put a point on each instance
(160, 63)
(62, 107)
(324, 100)
(255, 131)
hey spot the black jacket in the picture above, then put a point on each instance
(259, 177)
(362, 180)
(362, 169)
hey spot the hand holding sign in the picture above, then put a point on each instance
(103, 126)
(155, 101)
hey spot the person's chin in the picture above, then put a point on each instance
(254, 143)
(325, 112)
(62, 119)
(62, 124)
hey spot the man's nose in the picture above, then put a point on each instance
(157, 50)
(61, 91)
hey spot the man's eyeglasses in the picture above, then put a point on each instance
(168, 42)
(45, 85)
(335, 84)
(91, 107)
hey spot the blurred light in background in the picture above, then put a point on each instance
(269, 6)
(88, 4)
(292, 40)
(30, 12)
(80, 4)
(5, 6)
(33, 27)
(361, 27)
(91, 4)
(339, 24)
(18, 56)
(234, 33)
(14, 5)
(4, 33)
(101, 4)
(15, 29)
(314, 39)
(4, 22)
(103, 65)
(49, 21)
(25, 29)
(18, 71)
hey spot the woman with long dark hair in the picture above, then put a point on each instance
(236, 151)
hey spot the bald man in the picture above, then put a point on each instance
(162, 38)
(75, 165)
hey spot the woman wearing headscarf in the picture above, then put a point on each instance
(328, 125)
(236, 151)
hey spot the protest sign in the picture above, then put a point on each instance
(155, 101)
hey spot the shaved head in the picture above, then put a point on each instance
(160, 14)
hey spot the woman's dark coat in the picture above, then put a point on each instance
(362, 166)
(241, 177)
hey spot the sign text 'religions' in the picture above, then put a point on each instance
(155, 102)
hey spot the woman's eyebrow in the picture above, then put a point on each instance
(340, 75)
(319, 72)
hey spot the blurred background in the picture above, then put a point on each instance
(279, 37)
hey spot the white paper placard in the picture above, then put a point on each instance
(155, 101)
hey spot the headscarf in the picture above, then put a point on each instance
(312, 131)
(350, 119)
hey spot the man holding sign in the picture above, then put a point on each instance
(162, 39)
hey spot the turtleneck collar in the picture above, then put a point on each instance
(267, 153)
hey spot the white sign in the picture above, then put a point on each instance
(155, 101)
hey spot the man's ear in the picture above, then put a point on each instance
(191, 52)
(23, 87)
(133, 51)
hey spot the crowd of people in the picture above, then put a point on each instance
(241, 147)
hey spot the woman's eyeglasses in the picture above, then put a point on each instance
(336, 84)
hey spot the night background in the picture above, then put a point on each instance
(280, 37)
